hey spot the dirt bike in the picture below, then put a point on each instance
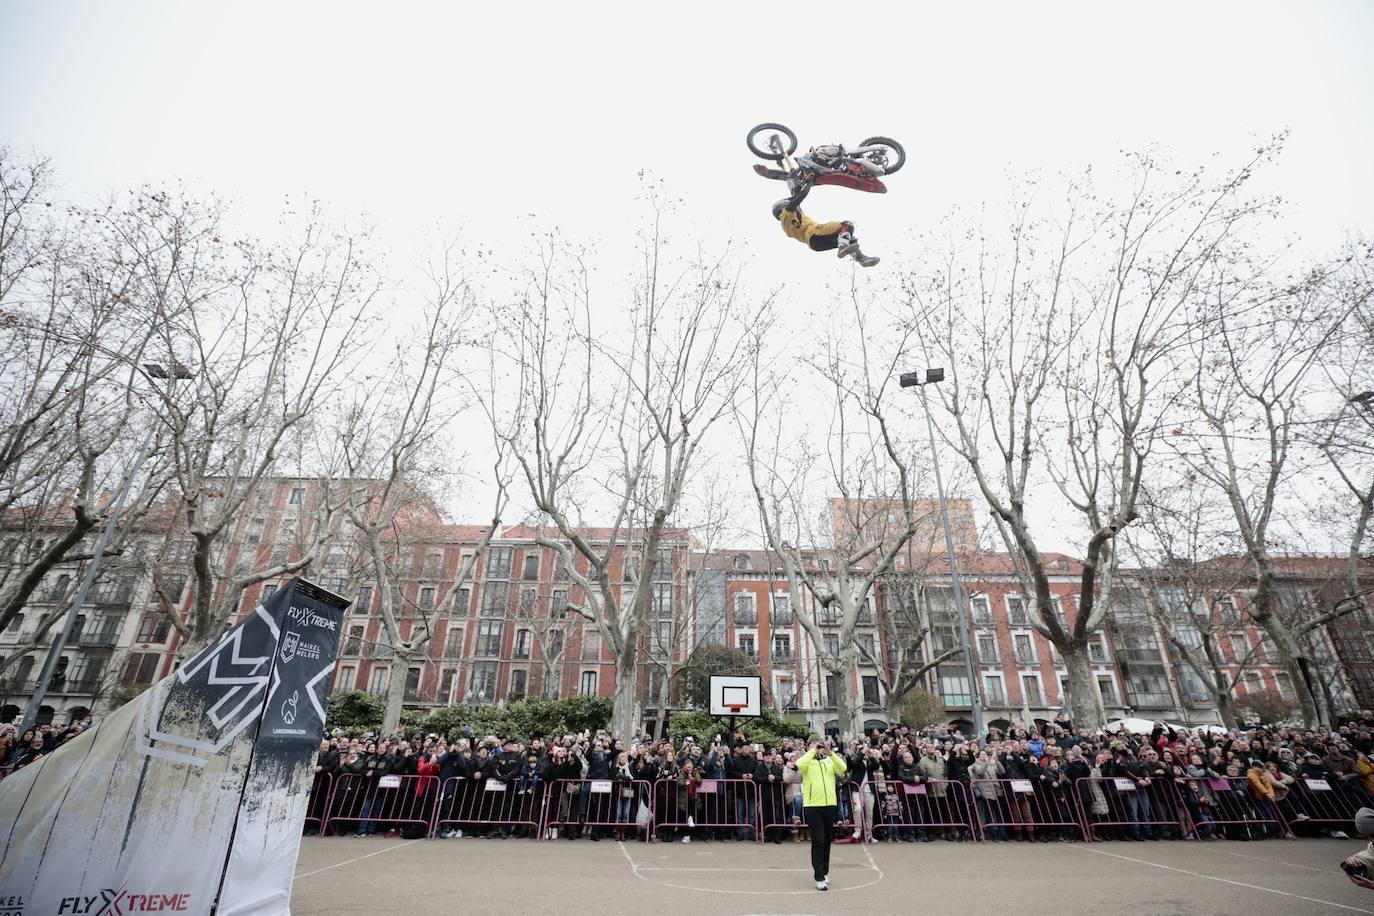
(859, 168)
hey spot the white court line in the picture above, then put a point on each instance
(1253, 887)
(1241, 855)
(358, 859)
(638, 870)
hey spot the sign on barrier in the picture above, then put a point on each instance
(1121, 804)
(373, 806)
(1001, 807)
(730, 804)
(580, 803)
(1330, 805)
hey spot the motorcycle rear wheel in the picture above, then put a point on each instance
(893, 162)
(766, 153)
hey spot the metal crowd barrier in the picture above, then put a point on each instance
(599, 804)
(1024, 806)
(1328, 803)
(318, 807)
(1136, 809)
(714, 804)
(1226, 803)
(938, 804)
(383, 802)
(466, 803)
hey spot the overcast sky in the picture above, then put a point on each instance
(485, 115)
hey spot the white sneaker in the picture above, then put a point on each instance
(844, 251)
(823, 885)
(691, 822)
(458, 834)
(866, 260)
(1339, 835)
(686, 839)
(854, 835)
(1302, 817)
(553, 833)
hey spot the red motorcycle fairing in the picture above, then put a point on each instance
(873, 185)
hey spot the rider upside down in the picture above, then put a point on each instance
(834, 236)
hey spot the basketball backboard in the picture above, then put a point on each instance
(736, 695)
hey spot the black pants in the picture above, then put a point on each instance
(821, 820)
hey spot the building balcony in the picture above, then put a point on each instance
(103, 638)
(1148, 700)
(750, 619)
(998, 699)
(781, 658)
(1026, 658)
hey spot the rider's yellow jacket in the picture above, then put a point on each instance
(818, 775)
(801, 227)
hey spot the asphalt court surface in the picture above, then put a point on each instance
(336, 875)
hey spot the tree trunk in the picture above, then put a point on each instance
(1084, 700)
(1225, 710)
(623, 722)
(396, 689)
(848, 707)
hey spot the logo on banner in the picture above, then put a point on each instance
(288, 709)
(308, 618)
(119, 902)
(292, 646)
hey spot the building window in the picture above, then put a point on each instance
(381, 679)
(462, 602)
(446, 686)
(591, 645)
(832, 645)
(994, 692)
(745, 615)
(663, 600)
(553, 646)
(16, 622)
(297, 495)
(870, 684)
(832, 688)
(347, 678)
(746, 645)
(663, 635)
(413, 684)
(588, 687)
(140, 668)
(531, 568)
(153, 628)
(782, 647)
(494, 599)
(982, 609)
(1106, 686)
(354, 645)
(954, 690)
(523, 639)
(498, 562)
(489, 634)
(364, 603)
(782, 610)
(558, 604)
(987, 649)
(1016, 611)
(484, 682)
(427, 597)
(1030, 690)
(1024, 647)
(868, 651)
(453, 643)
(517, 684)
(741, 561)
(785, 694)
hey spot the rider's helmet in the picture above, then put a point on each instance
(778, 208)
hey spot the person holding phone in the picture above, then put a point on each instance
(819, 766)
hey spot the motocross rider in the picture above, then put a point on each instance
(834, 236)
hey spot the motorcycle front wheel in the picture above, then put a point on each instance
(766, 152)
(895, 154)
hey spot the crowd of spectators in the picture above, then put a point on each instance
(19, 750)
(1205, 765)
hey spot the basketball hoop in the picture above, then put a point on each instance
(735, 708)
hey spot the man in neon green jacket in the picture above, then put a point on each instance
(819, 766)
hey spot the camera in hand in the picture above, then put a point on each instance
(1358, 870)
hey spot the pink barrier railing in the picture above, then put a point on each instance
(468, 803)
(1024, 806)
(940, 804)
(318, 806)
(599, 805)
(1227, 803)
(1326, 802)
(382, 803)
(720, 805)
(1121, 804)
(775, 814)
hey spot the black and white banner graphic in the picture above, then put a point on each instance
(137, 814)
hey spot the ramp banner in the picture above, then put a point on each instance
(199, 783)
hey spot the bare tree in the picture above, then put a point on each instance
(1055, 342)
(392, 447)
(874, 515)
(1256, 379)
(617, 415)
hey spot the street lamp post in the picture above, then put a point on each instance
(919, 380)
(59, 643)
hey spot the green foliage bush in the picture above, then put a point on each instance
(533, 717)
(767, 729)
(356, 711)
